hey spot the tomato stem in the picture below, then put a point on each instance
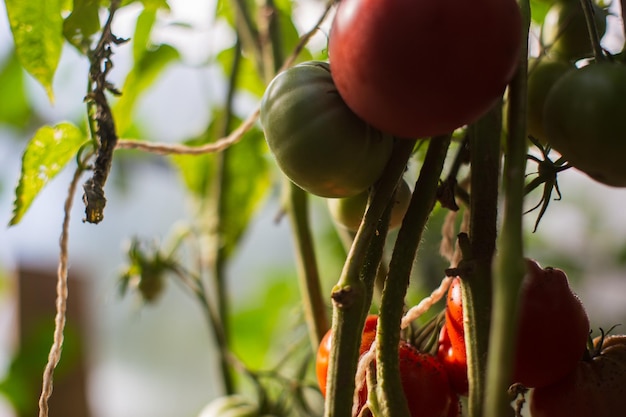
(485, 158)
(510, 266)
(352, 294)
(594, 37)
(390, 393)
(308, 274)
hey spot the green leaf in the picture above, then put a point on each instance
(538, 10)
(143, 75)
(37, 27)
(82, 24)
(143, 29)
(15, 109)
(45, 156)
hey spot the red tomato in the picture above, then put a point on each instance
(596, 387)
(553, 328)
(552, 331)
(454, 360)
(323, 351)
(452, 351)
(417, 68)
(425, 383)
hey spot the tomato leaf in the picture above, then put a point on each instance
(140, 78)
(45, 156)
(538, 10)
(150, 62)
(37, 27)
(82, 24)
(15, 109)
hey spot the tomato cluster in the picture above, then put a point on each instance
(424, 380)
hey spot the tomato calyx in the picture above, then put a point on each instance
(595, 349)
(547, 171)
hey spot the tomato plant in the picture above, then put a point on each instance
(595, 388)
(391, 72)
(315, 138)
(348, 212)
(583, 120)
(564, 31)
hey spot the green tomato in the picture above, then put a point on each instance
(542, 75)
(316, 140)
(584, 119)
(564, 30)
(348, 212)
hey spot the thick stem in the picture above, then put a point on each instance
(510, 269)
(308, 274)
(351, 295)
(390, 394)
(485, 162)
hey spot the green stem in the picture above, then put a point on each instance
(390, 394)
(217, 259)
(351, 294)
(594, 37)
(308, 275)
(485, 162)
(509, 269)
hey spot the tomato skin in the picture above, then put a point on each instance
(418, 68)
(348, 212)
(565, 32)
(323, 351)
(316, 140)
(596, 388)
(553, 328)
(425, 384)
(454, 360)
(542, 76)
(584, 121)
(452, 350)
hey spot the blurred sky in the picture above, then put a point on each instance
(138, 370)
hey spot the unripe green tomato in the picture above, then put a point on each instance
(316, 140)
(542, 75)
(348, 212)
(584, 119)
(564, 30)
